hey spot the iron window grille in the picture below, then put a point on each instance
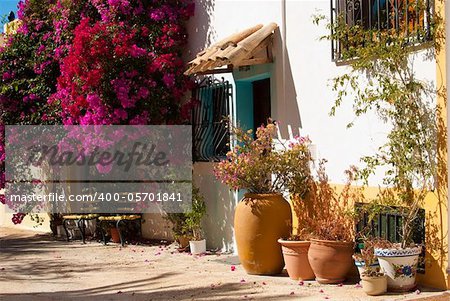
(408, 18)
(388, 225)
(211, 136)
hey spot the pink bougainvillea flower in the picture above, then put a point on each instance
(233, 268)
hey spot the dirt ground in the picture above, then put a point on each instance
(40, 267)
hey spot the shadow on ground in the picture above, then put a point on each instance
(133, 291)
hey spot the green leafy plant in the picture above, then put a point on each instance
(382, 79)
(194, 216)
(178, 222)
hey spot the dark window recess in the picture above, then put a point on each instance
(261, 102)
(411, 18)
(388, 225)
(211, 137)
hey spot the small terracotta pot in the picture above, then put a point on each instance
(295, 254)
(374, 286)
(259, 221)
(330, 260)
(115, 237)
(183, 241)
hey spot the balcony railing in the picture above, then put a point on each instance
(407, 18)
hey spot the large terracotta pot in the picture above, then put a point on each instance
(400, 266)
(295, 254)
(330, 260)
(259, 221)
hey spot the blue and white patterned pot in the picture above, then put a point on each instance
(400, 265)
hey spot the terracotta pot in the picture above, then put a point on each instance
(295, 254)
(183, 241)
(115, 237)
(400, 266)
(374, 286)
(259, 221)
(330, 260)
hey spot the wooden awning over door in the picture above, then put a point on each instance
(252, 46)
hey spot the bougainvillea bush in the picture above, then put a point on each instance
(95, 62)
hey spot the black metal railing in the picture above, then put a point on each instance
(211, 136)
(388, 225)
(408, 18)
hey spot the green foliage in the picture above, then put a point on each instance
(194, 216)
(382, 79)
(178, 222)
(188, 223)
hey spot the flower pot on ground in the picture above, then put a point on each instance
(115, 237)
(295, 254)
(183, 241)
(263, 215)
(197, 246)
(374, 285)
(193, 223)
(373, 280)
(332, 224)
(400, 266)
(257, 230)
(330, 260)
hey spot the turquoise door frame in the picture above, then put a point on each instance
(244, 105)
(244, 99)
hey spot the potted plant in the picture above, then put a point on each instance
(193, 223)
(263, 216)
(373, 281)
(295, 254)
(178, 222)
(295, 247)
(330, 253)
(381, 78)
(361, 264)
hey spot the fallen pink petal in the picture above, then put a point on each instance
(233, 268)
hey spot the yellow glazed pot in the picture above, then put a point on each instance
(259, 221)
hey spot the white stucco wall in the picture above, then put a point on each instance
(305, 97)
